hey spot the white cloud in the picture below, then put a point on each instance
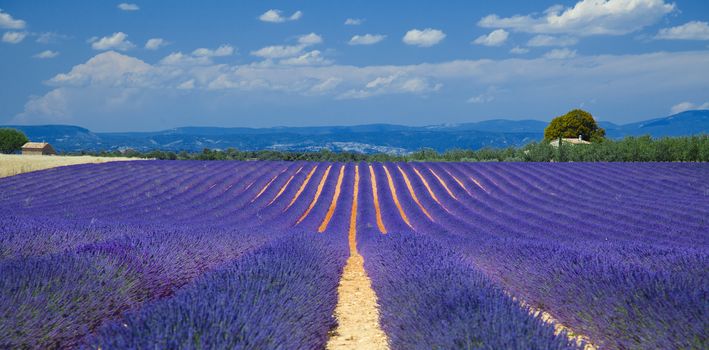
(106, 69)
(187, 85)
(587, 17)
(688, 106)
(353, 21)
(181, 59)
(366, 39)
(311, 58)
(560, 54)
(694, 30)
(381, 81)
(309, 39)
(128, 7)
(223, 50)
(7, 22)
(519, 50)
(139, 90)
(482, 98)
(278, 51)
(155, 43)
(13, 37)
(117, 41)
(548, 40)
(326, 85)
(275, 16)
(46, 54)
(397, 83)
(495, 38)
(423, 38)
(50, 37)
(485, 97)
(286, 51)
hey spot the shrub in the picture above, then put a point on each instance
(11, 140)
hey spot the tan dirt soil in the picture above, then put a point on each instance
(357, 311)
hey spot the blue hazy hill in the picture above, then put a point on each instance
(361, 138)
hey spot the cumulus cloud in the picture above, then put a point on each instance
(423, 38)
(587, 17)
(276, 16)
(117, 41)
(223, 50)
(278, 51)
(46, 54)
(128, 7)
(694, 30)
(155, 43)
(495, 38)
(310, 39)
(560, 54)
(397, 83)
(519, 50)
(106, 69)
(353, 21)
(307, 59)
(688, 106)
(366, 39)
(7, 22)
(294, 52)
(137, 89)
(181, 59)
(13, 37)
(548, 40)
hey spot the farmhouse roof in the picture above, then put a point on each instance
(35, 145)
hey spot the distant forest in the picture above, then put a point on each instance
(629, 149)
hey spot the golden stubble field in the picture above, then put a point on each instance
(13, 164)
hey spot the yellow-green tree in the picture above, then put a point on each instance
(571, 125)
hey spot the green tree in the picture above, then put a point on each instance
(11, 140)
(571, 125)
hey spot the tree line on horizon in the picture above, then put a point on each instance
(574, 124)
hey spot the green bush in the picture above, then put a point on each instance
(11, 140)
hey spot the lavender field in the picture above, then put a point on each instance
(212, 255)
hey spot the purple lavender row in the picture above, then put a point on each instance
(438, 233)
(430, 299)
(280, 297)
(154, 259)
(622, 294)
(130, 183)
(46, 299)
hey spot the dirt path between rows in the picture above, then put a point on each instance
(357, 311)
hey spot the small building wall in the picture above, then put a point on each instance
(37, 148)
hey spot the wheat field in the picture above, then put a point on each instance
(13, 164)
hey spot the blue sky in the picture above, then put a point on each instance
(149, 65)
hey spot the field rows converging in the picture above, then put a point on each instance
(223, 254)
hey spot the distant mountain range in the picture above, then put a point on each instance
(373, 138)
